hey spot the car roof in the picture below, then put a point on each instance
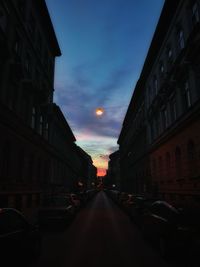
(166, 204)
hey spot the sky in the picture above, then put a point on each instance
(104, 44)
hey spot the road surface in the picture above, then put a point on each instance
(101, 235)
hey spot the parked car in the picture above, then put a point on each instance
(122, 197)
(74, 200)
(170, 228)
(56, 212)
(82, 196)
(20, 241)
(136, 207)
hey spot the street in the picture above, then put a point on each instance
(100, 235)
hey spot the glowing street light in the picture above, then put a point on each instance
(99, 111)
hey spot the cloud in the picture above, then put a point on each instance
(79, 98)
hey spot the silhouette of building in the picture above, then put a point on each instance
(159, 141)
(88, 171)
(112, 179)
(133, 145)
(38, 153)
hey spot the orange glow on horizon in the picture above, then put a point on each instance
(101, 172)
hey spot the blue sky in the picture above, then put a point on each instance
(104, 44)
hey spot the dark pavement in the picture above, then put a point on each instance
(101, 235)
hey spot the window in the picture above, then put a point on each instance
(178, 162)
(39, 169)
(46, 131)
(181, 40)
(39, 42)
(187, 94)
(30, 167)
(191, 150)
(21, 163)
(27, 63)
(164, 118)
(192, 163)
(5, 161)
(158, 128)
(155, 84)
(149, 95)
(195, 13)
(17, 47)
(152, 130)
(3, 19)
(173, 109)
(168, 164)
(41, 125)
(38, 78)
(161, 68)
(154, 168)
(169, 56)
(160, 167)
(12, 96)
(33, 118)
(169, 53)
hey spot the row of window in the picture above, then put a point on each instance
(31, 71)
(20, 201)
(36, 38)
(162, 166)
(169, 112)
(164, 67)
(28, 167)
(38, 123)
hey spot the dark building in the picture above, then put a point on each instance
(87, 173)
(38, 153)
(65, 165)
(112, 178)
(133, 145)
(168, 162)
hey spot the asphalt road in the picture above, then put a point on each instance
(101, 235)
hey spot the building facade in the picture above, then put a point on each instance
(112, 178)
(170, 90)
(87, 173)
(38, 153)
(133, 145)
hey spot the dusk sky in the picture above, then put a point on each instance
(104, 44)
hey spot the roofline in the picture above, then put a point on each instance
(162, 27)
(58, 110)
(52, 34)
